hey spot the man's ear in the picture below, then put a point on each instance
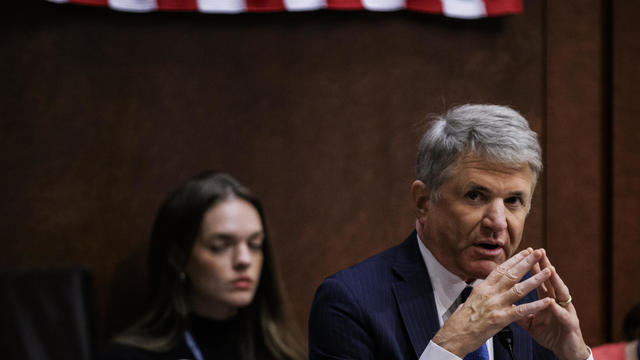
(420, 196)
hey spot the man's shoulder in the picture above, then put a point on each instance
(365, 289)
(377, 269)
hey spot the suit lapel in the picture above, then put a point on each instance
(414, 295)
(416, 304)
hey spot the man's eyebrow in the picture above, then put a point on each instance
(477, 187)
(472, 186)
(520, 194)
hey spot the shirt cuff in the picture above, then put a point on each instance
(590, 354)
(437, 352)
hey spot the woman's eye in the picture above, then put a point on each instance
(218, 246)
(255, 245)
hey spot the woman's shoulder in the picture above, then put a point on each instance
(117, 351)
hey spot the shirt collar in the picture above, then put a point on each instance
(446, 285)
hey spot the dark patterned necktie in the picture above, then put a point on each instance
(481, 353)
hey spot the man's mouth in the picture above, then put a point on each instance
(488, 246)
(489, 249)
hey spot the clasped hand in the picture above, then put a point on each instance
(490, 307)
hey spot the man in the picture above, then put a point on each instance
(477, 169)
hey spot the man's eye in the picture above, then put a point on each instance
(474, 195)
(513, 200)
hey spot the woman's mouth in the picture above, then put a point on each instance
(243, 283)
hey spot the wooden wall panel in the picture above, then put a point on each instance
(626, 163)
(319, 112)
(575, 158)
(103, 113)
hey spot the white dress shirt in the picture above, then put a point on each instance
(446, 289)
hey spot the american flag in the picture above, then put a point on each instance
(465, 9)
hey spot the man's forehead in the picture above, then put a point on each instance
(472, 161)
(475, 171)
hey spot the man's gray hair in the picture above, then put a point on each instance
(492, 132)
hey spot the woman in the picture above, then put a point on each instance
(214, 292)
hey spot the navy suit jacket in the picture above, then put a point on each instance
(384, 308)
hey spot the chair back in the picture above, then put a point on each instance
(46, 314)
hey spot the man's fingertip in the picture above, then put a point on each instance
(548, 301)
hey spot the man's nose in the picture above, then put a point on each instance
(242, 256)
(495, 218)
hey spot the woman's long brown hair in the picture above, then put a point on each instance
(269, 329)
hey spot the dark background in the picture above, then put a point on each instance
(102, 113)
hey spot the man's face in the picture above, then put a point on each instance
(478, 220)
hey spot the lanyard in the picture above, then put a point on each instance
(191, 343)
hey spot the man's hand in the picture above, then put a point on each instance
(490, 307)
(556, 327)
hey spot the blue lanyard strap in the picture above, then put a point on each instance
(195, 350)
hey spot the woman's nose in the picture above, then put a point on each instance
(242, 256)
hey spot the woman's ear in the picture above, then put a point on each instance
(420, 196)
(178, 259)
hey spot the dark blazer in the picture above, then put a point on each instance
(384, 308)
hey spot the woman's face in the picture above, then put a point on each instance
(226, 260)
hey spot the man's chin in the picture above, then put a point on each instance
(481, 269)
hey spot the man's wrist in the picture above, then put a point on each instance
(450, 343)
(434, 351)
(583, 355)
(588, 350)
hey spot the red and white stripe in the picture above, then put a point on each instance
(466, 9)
